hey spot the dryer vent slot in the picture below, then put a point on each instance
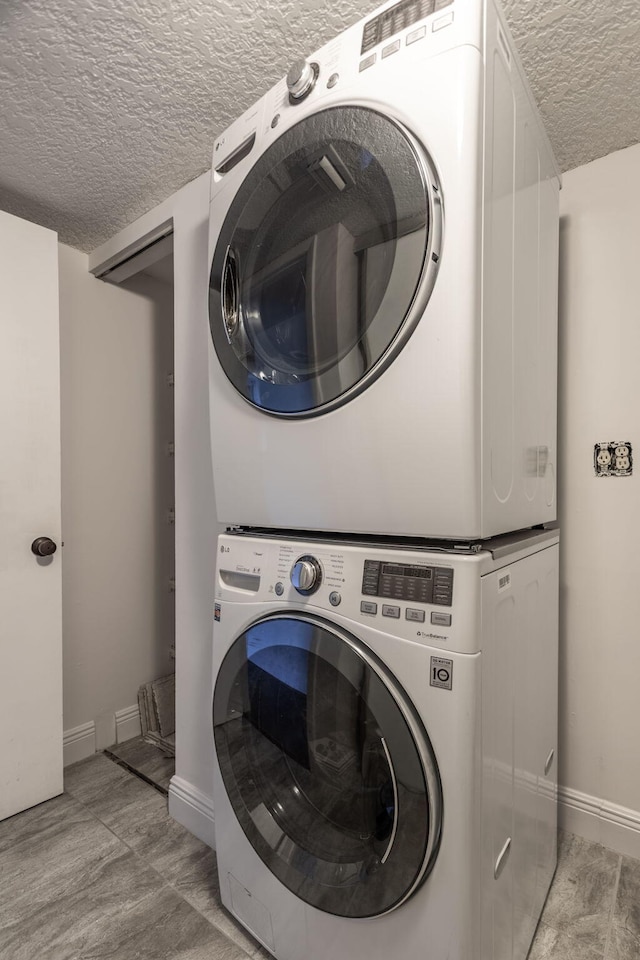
(238, 154)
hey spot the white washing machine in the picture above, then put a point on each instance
(383, 289)
(385, 725)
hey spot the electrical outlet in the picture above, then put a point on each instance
(622, 461)
(613, 458)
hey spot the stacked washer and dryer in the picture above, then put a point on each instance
(383, 311)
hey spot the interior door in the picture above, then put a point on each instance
(30, 584)
(328, 769)
(330, 241)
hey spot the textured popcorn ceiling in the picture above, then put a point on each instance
(108, 107)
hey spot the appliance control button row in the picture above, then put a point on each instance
(411, 613)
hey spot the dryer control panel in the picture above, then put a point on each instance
(396, 18)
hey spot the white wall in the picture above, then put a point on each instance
(600, 574)
(116, 349)
(196, 525)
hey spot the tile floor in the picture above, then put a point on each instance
(147, 760)
(103, 873)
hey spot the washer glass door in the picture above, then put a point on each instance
(330, 242)
(327, 766)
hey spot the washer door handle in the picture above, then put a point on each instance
(502, 859)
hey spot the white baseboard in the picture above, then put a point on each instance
(83, 741)
(601, 821)
(128, 723)
(79, 743)
(193, 809)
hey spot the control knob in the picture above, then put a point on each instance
(301, 79)
(306, 575)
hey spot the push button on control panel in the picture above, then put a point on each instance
(390, 48)
(417, 615)
(335, 599)
(443, 586)
(390, 611)
(442, 22)
(367, 62)
(441, 619)
(366, 606)
(416, 35)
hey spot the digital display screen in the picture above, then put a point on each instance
(393, 570)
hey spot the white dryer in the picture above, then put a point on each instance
(385, 725)
(383, 287)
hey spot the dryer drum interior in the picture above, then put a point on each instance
(327, 767)
(318, 262)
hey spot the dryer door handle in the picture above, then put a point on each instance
(230, 294)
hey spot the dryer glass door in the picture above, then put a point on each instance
(327, 766)
(325, 261)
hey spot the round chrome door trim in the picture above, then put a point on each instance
(424, 285)
(417, 730)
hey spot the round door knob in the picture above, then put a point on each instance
(43, 547)
(306, 575)
(301, 79)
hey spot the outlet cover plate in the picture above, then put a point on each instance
(613, 458)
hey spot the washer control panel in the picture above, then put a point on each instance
(402, 593)
(413, 582)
